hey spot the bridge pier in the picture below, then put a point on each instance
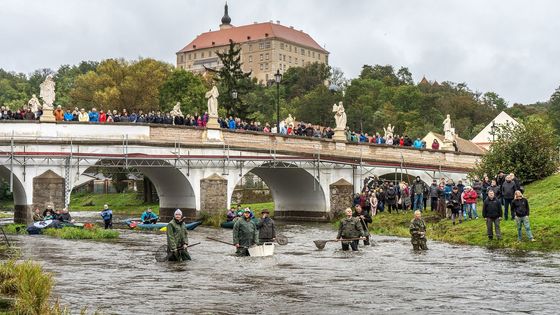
(213, 194)
(23, 214)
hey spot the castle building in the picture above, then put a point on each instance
(265, 48)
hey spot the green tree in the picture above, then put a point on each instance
(554, 109)
(185, 87)
(299, 81)
(530, 150)
(494, 101)
(232, 78)
(316, 107)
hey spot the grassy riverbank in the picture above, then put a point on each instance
(216, 220)
(543, 199)
(120, 203)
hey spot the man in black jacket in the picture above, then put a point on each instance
(267, 228)
(365, 219)
(508, 190)
(492, 211)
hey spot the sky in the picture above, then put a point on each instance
(509, 47)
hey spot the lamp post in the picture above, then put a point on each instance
(277, 79)
(493, 128)
(234, 97)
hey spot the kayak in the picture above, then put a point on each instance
(156, 226)
(229, 224)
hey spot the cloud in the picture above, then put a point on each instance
(504, 46)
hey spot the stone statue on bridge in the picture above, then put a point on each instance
(340, 119)
(48, 95)
(176, 111)
(212, 97)
(340, 116)
(389, 131)
(449, 132)
(290, 121)
(34, 104)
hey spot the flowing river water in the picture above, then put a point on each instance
(122, 277)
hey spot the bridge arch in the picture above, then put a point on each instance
(173, 188)
(295, 191)
(22, 202)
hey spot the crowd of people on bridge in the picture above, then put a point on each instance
(500, 197)
(200, 120)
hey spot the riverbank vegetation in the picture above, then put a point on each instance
(69, 233)
(120, 203)
(217, 219)
(72, 233)
(543, 199)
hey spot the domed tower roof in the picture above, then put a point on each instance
(226, 20)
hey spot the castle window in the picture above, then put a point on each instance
(290, 59)
(251, 58)
(266, 56)
(262, 66)
(262, 57)
(302, 52)
(267, 44)
(261, 45)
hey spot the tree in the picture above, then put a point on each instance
(298, 81)
(185, 87)
(494, 101)
(386, 74)
(554, 109)
(530, 150)
(232, 78)
(316, 106)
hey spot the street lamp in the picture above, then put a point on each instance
(234, 97)
(277, 79)
(493, 129)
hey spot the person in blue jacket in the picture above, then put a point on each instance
(107, 215)
(148, 217)
(68, 116)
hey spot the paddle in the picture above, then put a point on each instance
(162, 255)
(321, 243)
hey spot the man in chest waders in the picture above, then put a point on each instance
(245, 233)
(418, 232)
(350, 228)
(177, 239)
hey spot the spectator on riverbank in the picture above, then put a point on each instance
(37, 215)
(520, 207)
(433, 191)
(469, 197)
(391, 198)
(492, 212)
(148, 217)
(454, 205)
(508, 193)
(418, 190)
(373, 203)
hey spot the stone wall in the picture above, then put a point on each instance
(341, 196)
(213, 194)
(48, 188)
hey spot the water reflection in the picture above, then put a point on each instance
(123, 277)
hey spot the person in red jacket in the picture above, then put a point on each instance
(102, 116)
(435, 145)
(470, 197)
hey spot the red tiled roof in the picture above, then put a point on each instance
(251, 32)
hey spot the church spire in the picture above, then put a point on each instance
(226, 20)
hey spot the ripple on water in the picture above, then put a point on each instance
(386, 278)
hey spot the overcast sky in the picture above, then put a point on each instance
(507, 46)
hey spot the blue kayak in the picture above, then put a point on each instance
(156, 226)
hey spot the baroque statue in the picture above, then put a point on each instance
(47, 93)
(290, 121)
(449, 132)
(212, 97)
(389, 131)
(34, 104)
(340, 116)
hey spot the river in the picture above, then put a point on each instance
(122, 277)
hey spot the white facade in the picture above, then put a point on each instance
(484, 137)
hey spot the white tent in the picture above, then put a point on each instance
(484, 137)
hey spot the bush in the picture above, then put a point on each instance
(72, 233)
(530, 150)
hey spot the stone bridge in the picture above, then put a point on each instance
(197, 169)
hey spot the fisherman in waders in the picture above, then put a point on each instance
(245, 233)
(350, 228)
(418, 231)
(177, 239)
(267, 228)
(364, 218)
